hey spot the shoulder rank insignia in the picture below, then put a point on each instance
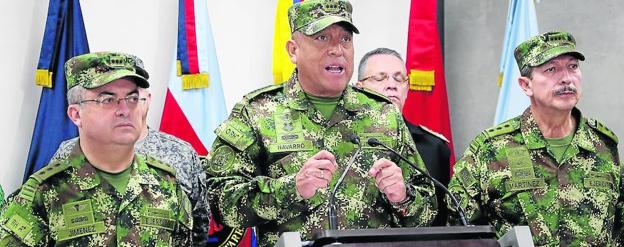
(595, 124)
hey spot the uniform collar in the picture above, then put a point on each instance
(86, 177)
(296, 99)
(583, 137)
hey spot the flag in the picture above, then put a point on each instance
(194, 102)
(521, 25)
(282, 66)
(427, 102)
(64, 37)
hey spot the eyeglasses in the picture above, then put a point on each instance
(399, 78)
(109, 101)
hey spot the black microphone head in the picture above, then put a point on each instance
(353, 138)
(373, 142)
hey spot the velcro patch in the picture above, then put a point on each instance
(290, 147)
(235, 133)
(81, 230)
(18, 225)
(158, 218)
(466, 178)
(525, 184)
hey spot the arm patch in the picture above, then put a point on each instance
(236, 133)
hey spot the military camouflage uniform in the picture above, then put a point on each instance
(274, 130)
(1, 197)
(189, 172)
(510, 177)
(68, 204)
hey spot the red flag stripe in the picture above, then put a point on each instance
(191, 40)
(175, 123)
(424, 52)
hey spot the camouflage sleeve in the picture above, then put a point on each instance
(242, 196)
(618, 228)
(420, 207)
(465, 185)
(1, 197)
(182, 235)
(22, 222)
(201, 209)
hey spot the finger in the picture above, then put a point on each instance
(326, 155)
(379, 165)
(385, 188)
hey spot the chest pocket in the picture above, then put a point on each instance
(79, 221)
(157, 225)
(601, 190)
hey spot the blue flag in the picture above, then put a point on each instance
(521, 25)
(64, 37)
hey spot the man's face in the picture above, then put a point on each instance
(118, 123)
(393, 84)
(324, 60)
(556, 84)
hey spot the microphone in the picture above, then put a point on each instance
(331, 210)
(462, 216)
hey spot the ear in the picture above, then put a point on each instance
(292, 48)
(73, 112)
(359, 84)
(526, 85)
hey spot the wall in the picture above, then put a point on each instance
(243, 33)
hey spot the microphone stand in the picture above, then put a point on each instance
(462, 216)
(331, 210)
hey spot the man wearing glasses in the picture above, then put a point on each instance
(103, 193)
(177, 153)
(383, 71)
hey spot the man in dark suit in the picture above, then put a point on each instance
(383, 71)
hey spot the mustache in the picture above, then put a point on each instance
(565, 89)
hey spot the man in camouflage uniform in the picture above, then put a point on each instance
(103, 193)
(281, 151)
(383, 70)
(178, 154)
(550, 168)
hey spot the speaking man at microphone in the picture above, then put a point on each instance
(283, 148)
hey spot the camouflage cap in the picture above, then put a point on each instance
(312, 16)
(540, 49)
(97, 69)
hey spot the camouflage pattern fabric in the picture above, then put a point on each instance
(312, 16)
(274, 130)
(1, 196)
(541, 48)
(97, 69)
(509, 177)
(67, 204)
(189, 171)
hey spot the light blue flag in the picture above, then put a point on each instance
(521, 25)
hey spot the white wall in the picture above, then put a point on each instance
(243, 31)
(147, 28)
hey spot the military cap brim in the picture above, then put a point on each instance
(555, 52)
(110, 76)
(325, 22)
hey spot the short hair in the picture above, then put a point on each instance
(378, 51)
(526, 72)
(75, 94)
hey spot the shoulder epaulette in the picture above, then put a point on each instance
(153, 162)
(372, 94)
(247, 97)
(598, 126)
(436, 134)
(503, 128)
(30, 187)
